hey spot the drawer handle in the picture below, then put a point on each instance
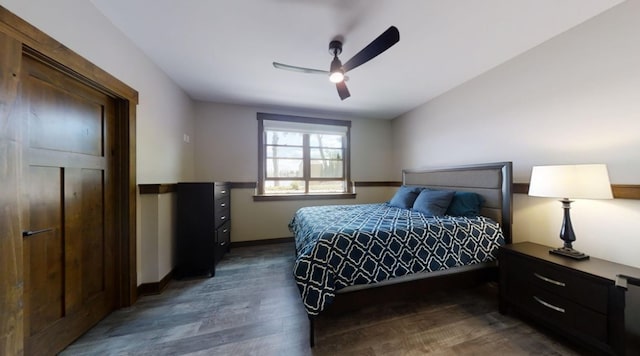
(223, 243)
(223, 192)
(223, 217)
(31, 232)
(548, 305)
(222, 205)
(634, 280)
(552, 281)
(225, 231)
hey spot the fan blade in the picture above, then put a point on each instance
(342, 90)
(382, 43)
(300, 69)
(304, 70)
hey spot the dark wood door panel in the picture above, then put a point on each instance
(63, 115)
(88, 271)
(11, 246)
(43, 157)
(96, 270)
(43, 251)
(69, 127)
(62, 74)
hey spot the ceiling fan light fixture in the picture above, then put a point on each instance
(336, 77)
(336, 74)
(337, 71)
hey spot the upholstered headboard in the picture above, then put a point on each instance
(493, 181)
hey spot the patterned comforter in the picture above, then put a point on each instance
(343, 245)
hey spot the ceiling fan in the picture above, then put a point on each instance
(337, 70)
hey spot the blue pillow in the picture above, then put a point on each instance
(465, 204)
(404, 197)
(433, 202)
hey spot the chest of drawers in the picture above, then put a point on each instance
(222, 221)
(203, 227)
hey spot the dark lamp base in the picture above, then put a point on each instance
(569, 252)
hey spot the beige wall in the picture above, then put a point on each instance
(164, 115)
(226, 143)
(157, 241)
(226, 150)
(573, 99)
(252, 221)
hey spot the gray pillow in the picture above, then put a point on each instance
(404, 197)
(433, 202)
(465, 204)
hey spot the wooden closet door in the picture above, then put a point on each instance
(68, 132)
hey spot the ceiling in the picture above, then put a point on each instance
(222, 51)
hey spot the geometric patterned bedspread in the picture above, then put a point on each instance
(343, 245)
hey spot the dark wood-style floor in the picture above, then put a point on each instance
(252, 307)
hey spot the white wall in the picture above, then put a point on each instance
(165, 112)
(573, 99)
(227, 150)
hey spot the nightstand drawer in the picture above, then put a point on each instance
(587, 292)
(558, 310)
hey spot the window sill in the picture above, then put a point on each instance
(292, 197)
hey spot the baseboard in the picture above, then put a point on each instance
(261, 242)
(155, 287)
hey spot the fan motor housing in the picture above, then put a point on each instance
(335, 47)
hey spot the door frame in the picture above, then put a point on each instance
(18, 37)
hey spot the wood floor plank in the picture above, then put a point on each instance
(252, 307)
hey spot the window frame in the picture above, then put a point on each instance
(262, 159)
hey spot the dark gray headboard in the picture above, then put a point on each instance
(493, 181)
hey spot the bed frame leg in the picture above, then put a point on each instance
(312, 340)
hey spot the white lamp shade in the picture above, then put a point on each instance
(582, 181)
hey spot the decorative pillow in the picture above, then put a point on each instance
(433, 202)
(465, 204)
(404, 197)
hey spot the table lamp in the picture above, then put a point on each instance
(581, 181)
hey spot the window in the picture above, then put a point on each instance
(301, 155)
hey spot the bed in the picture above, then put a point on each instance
(347, 254)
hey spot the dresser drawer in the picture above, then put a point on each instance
(221, 190)
(588, 292)
(221, 211)
(223, 239)
(557, 310)
(224, 235)
(222, 203)
(221, 216)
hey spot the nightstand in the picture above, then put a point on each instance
(577, 299)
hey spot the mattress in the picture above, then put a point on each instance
(338, 246)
